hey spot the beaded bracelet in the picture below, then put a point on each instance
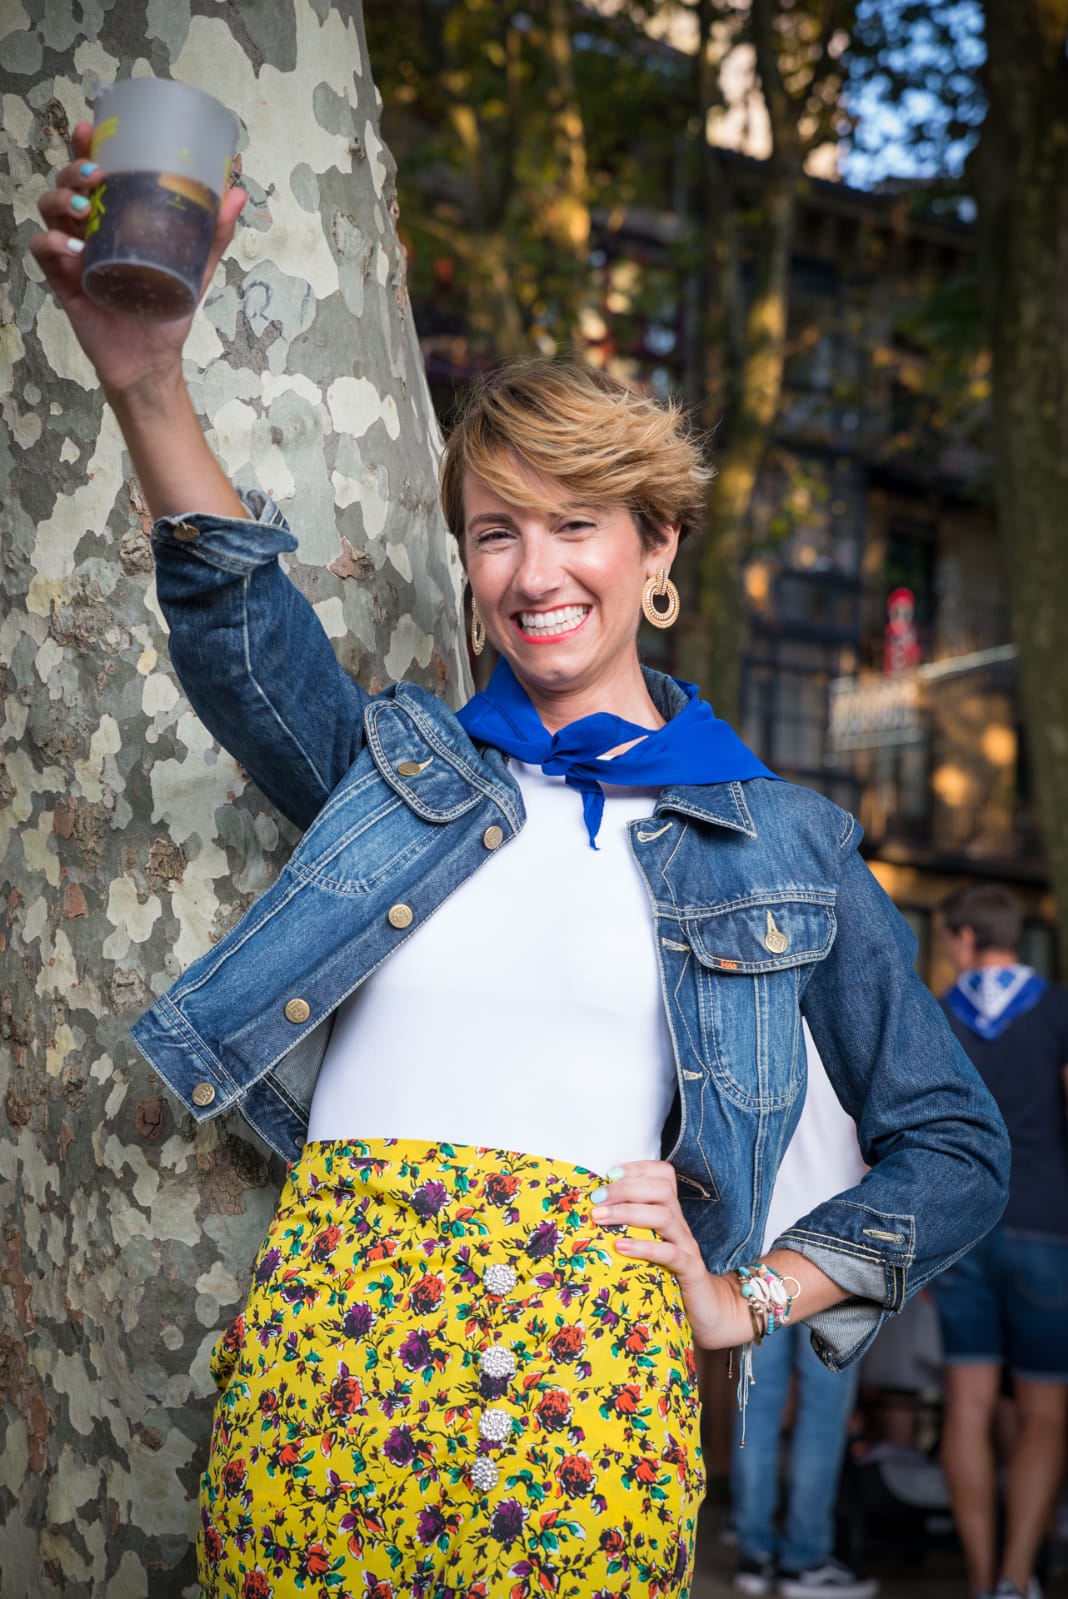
(767, 1295)
(769, 1302)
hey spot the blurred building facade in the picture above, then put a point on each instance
(880, 667)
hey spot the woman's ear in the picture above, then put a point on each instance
(666, 551)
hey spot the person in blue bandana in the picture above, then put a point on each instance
(1002, 1307)
(523, 1014)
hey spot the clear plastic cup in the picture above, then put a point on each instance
(166, 151)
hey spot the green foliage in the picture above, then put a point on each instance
(951, 393)
(477, 99)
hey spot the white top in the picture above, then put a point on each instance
(526, 1013)
(822, 1158)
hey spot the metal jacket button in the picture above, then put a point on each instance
(412, 768)
(203, 1094)
(297, 1010)
(493, 837)
(775, 940)
(400, 915)
(185, 532)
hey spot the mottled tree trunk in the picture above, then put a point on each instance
(1023, 191)
(128, 841)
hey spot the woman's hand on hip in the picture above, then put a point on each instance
(130, 354)
(645, 1195)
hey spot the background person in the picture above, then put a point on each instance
(822, 1157)
(520, 953)
(1005, 1304)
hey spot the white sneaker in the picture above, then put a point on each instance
(755, 1575)
(830, 1578)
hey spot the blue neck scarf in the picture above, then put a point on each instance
(988, 999)
(694, 747)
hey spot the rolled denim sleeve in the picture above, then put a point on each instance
(252, 656)
(928, 1128)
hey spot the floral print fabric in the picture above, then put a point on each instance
(446, 1384)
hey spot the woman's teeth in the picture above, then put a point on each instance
(548, 622)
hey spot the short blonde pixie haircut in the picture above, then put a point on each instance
(604, 442)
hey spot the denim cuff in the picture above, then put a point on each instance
(843, 1333)
(230, 543)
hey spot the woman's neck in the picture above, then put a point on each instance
(627, 698)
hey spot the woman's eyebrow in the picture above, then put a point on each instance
(496, 517)
(499, 518)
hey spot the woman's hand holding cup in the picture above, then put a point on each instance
(132, 356)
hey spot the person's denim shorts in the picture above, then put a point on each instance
(1006, 1302)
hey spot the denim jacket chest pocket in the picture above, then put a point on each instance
(752, 961)
(389, 810)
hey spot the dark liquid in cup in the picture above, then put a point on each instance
(147, 243)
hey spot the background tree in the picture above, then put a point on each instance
(741, 332)
(491, 145)
(976, 95)
(1022, 188)
(128, 842)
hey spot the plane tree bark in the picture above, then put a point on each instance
(129, 843)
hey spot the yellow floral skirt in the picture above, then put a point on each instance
(447, 1384)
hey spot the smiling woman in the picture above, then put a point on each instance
(533, 1112)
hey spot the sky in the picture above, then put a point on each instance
(924, 125)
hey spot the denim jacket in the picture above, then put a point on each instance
(764, 914)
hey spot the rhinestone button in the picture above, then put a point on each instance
(483, 1473)
(495, 1426)
(497, 1362)
(500, 1279)
(400, 916)
(297, 1010)
(493, 837)
(203, 1094)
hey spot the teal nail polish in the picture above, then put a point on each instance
(614, 1174)
(79, 203)
(87, 168)
(598, 1195)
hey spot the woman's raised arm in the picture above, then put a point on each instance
(248, 648)
(138, 362)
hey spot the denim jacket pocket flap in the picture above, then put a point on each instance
(763, 935)
(426, 775)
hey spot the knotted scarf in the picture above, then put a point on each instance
(694, 747)
(988, 999)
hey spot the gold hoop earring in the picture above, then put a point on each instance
(660, 587)
(478, 630)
